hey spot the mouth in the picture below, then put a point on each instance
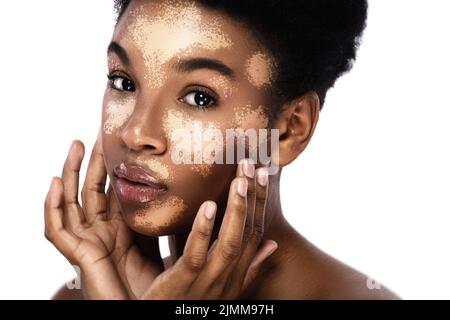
(135, 184)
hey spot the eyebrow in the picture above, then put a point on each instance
(184, 66)
(192, 64)
(116, 48)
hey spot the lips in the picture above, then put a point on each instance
(135, 184)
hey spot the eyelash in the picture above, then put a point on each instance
(207, 92)
(111, 78)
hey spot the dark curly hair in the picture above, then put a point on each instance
(313, 41)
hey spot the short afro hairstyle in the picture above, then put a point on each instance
(313, 42)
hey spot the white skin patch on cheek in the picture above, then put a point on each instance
(259, 69)
(196, 142)
(117, 113)
(177, 27)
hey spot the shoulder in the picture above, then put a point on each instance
(354, 285)
(323, 277)
(339, 281)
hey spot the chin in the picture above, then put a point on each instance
(158, 221)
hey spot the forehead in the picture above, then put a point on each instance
(160, 31)
(175, 24)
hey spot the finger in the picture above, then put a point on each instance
(229, 243)
(70, 178)
(93, 193)
(253, 239)
(262, 187)
(246, 168)
(55, 231)
(265, 251)
(196, 248)
(211, 249)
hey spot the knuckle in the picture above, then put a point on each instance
(248, 231)
(258, 231)
(230, 251)
(248, 228)
(194, 261)
(97, 187)
(238, 203)
(203, 235)
(260, 201)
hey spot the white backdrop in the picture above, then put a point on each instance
(374, 183)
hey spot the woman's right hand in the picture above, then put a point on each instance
(93, 236)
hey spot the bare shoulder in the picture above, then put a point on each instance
(350, 284)
(64, 293)
(340, 281)
(311, 273)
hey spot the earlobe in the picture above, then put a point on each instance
(296, 125)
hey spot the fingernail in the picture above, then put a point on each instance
(242, 187)
(262, 176)
(210, 210)
(249, 168)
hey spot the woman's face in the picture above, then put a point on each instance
(178, 69)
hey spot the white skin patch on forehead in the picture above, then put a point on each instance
(176, 28)
(259, 69)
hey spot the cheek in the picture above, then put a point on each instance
(193, 143)
(248, 117)
(252, 124)
(116, 113)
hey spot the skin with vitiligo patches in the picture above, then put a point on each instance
(150, 34)
(178, 27)
(138, 127)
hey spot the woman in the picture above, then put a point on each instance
(182, 74)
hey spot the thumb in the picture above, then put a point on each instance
(265, 251)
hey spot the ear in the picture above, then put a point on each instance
(296, 124)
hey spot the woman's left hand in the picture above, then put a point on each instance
(228, 268)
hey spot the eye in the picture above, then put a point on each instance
(199, 98)
(121, 83)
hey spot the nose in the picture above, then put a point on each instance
(144, 131)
